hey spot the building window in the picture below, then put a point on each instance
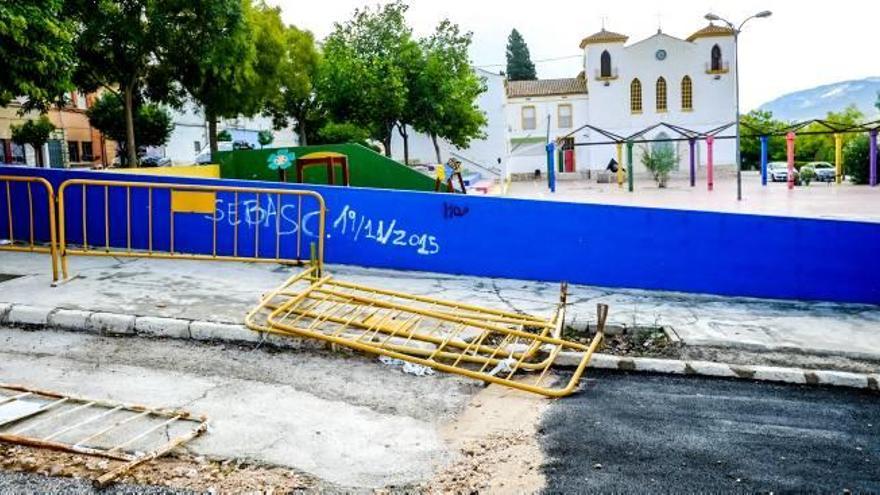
(635, 96)
(73, 151)
(18, 153)
(87, 155)
(687, 93)
(198, 146)
(529, 120)
(605, 64)
(661, 94)
(563, 114)
(716, 58)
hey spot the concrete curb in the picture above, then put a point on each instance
(706, 368)
(114, 324)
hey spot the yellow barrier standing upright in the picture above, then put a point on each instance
(31, 245)
(838, 158)
(184, 198)
(619, 164)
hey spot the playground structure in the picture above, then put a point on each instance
(692, 137)
(455, 172)
(328, 159)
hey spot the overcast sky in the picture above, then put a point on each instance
(804, 44)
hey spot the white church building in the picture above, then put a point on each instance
(623, 89)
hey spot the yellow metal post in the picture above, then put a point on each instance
(838, 158)
(619, 164)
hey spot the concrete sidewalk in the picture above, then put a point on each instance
(225, 291)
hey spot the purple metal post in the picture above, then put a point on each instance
(872, 163)
(691, 143)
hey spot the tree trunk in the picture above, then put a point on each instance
(401, 128)
(436, 147)
(386, 139)
(212, 132)
(38, 155)
(130, 146)
(303, 141)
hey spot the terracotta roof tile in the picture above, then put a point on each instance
(546, 87)
(604, 36)
(711, 30)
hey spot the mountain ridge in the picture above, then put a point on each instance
(816, 102)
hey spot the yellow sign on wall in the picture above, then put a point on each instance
(192, 202)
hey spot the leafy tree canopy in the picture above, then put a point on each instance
(297, 99)
(519, 62)
(37, 52)
(368, 66)
(153, 123)
(35, 133)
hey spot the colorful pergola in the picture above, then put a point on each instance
(693, 136)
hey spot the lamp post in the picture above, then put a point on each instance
(736, 30)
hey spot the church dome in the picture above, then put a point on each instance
(604, 36)
(710, 31)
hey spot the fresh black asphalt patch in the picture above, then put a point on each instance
(636, 432)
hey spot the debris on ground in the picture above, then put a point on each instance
(637, 342)
(180, 471)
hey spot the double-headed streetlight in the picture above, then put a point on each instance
(736, 30)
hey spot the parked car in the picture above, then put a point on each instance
(155, 161)
(778, 172)
(825, 172)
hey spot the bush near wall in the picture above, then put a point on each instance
(367, 168)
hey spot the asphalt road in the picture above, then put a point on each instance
(651, 433)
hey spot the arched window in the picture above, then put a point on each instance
(635, 96)
(605, 64)
(661, 94)
(687, 93)
(716, 58)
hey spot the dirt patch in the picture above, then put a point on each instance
(640, 342)
(182, 471)
(498, 452)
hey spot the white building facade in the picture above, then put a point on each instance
(624, 89)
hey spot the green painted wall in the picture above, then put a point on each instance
(368, 168)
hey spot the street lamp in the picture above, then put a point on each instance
(736, 30)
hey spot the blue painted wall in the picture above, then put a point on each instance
(613, 246)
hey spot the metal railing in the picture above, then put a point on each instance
(140, 219)
(31, 242)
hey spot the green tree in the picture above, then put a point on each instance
(346, 132)
(265, 138)
(756, 123)
(820, 146)
(519, 62)
(224, 136)
(228, 63)
(35, 133)
(123, 47)
(152, 123)
(857, 159)
(444, 98)
(37, 52)
(364, 77)
(297, 99)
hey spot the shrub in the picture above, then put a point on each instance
(807, 174)
(660, 160)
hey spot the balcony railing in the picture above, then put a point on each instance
(724, 69)
(600, 77)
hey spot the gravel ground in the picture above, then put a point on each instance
(637, 433)
(13, 483)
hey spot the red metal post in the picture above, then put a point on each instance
(789, 141)
(710, 168)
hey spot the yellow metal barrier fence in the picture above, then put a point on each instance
(29, 243)
(187, 198)
(453, 337)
